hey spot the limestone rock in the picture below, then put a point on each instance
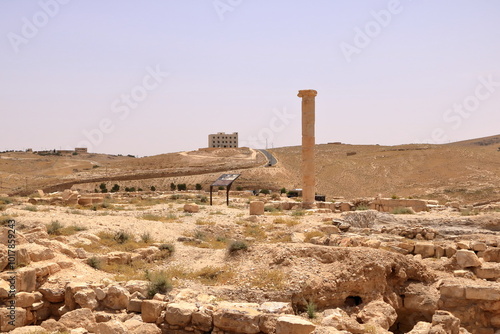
(52, 325)
(191, 208)
(492, 254)
(421, 328)
(276, 308)
(424, 249)
(179, 314)
(202, 319)
(6, 316)
(445, 322)
(146, 329)
(290, 324)
(240, 320)
(151, 310)
(86, 298)
(137, 286)
(4, 258)
(26, 279)
(117, 298)
(28, 330)
(256, 208)
(339, 319)
(25, 299)
(380, 313)
(53, 294)
(488, 271)
(467, 258)
(79, 318)
(111, 327)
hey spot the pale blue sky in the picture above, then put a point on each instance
(237, 65)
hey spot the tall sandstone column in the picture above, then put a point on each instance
(308, 120)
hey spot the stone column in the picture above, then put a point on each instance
(308, 173)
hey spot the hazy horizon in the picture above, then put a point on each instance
(124, 77)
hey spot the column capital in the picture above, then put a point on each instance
(307, 93)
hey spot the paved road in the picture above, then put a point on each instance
(270, 158)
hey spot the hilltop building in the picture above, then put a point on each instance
(221, 139)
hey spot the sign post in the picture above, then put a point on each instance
(225, 180)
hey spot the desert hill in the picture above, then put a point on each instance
(468, 171)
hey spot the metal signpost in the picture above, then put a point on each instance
(225, 180)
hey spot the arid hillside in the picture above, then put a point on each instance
(467, 171)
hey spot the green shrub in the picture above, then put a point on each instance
(54, 228)
(103, 188)
(283, 191)
(265, 191)
(159, 283)
(402, 211)
(198, 187)
(239, 188)
(362, 208)
(146, 237)
(173, 186)
(122, 237)
(181, 186)
(236, 246)
(94, 262)
(167, 250)
(153, 188)
(311, 310)
(31, 208)
(115, 188)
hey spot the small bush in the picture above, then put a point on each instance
(153, 188)
(239, 188)
(167, 247)
(311, 310)
(402, 211)
(31, 208)
(362, 208)
(94, 262)
(298, 213)
(395, 197)
(159, 283)
(221, 188)
(287, 222)
(115, 188)
(198, 187)
(122, 237)
(103, 188)
(265, 191)
(146, 237)
(54, 228)
(283, 191)
(173, 186)
(236, 246)
(181, 186)
(5, 200)
(3, 207)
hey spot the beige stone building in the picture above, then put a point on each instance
(222, 139)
